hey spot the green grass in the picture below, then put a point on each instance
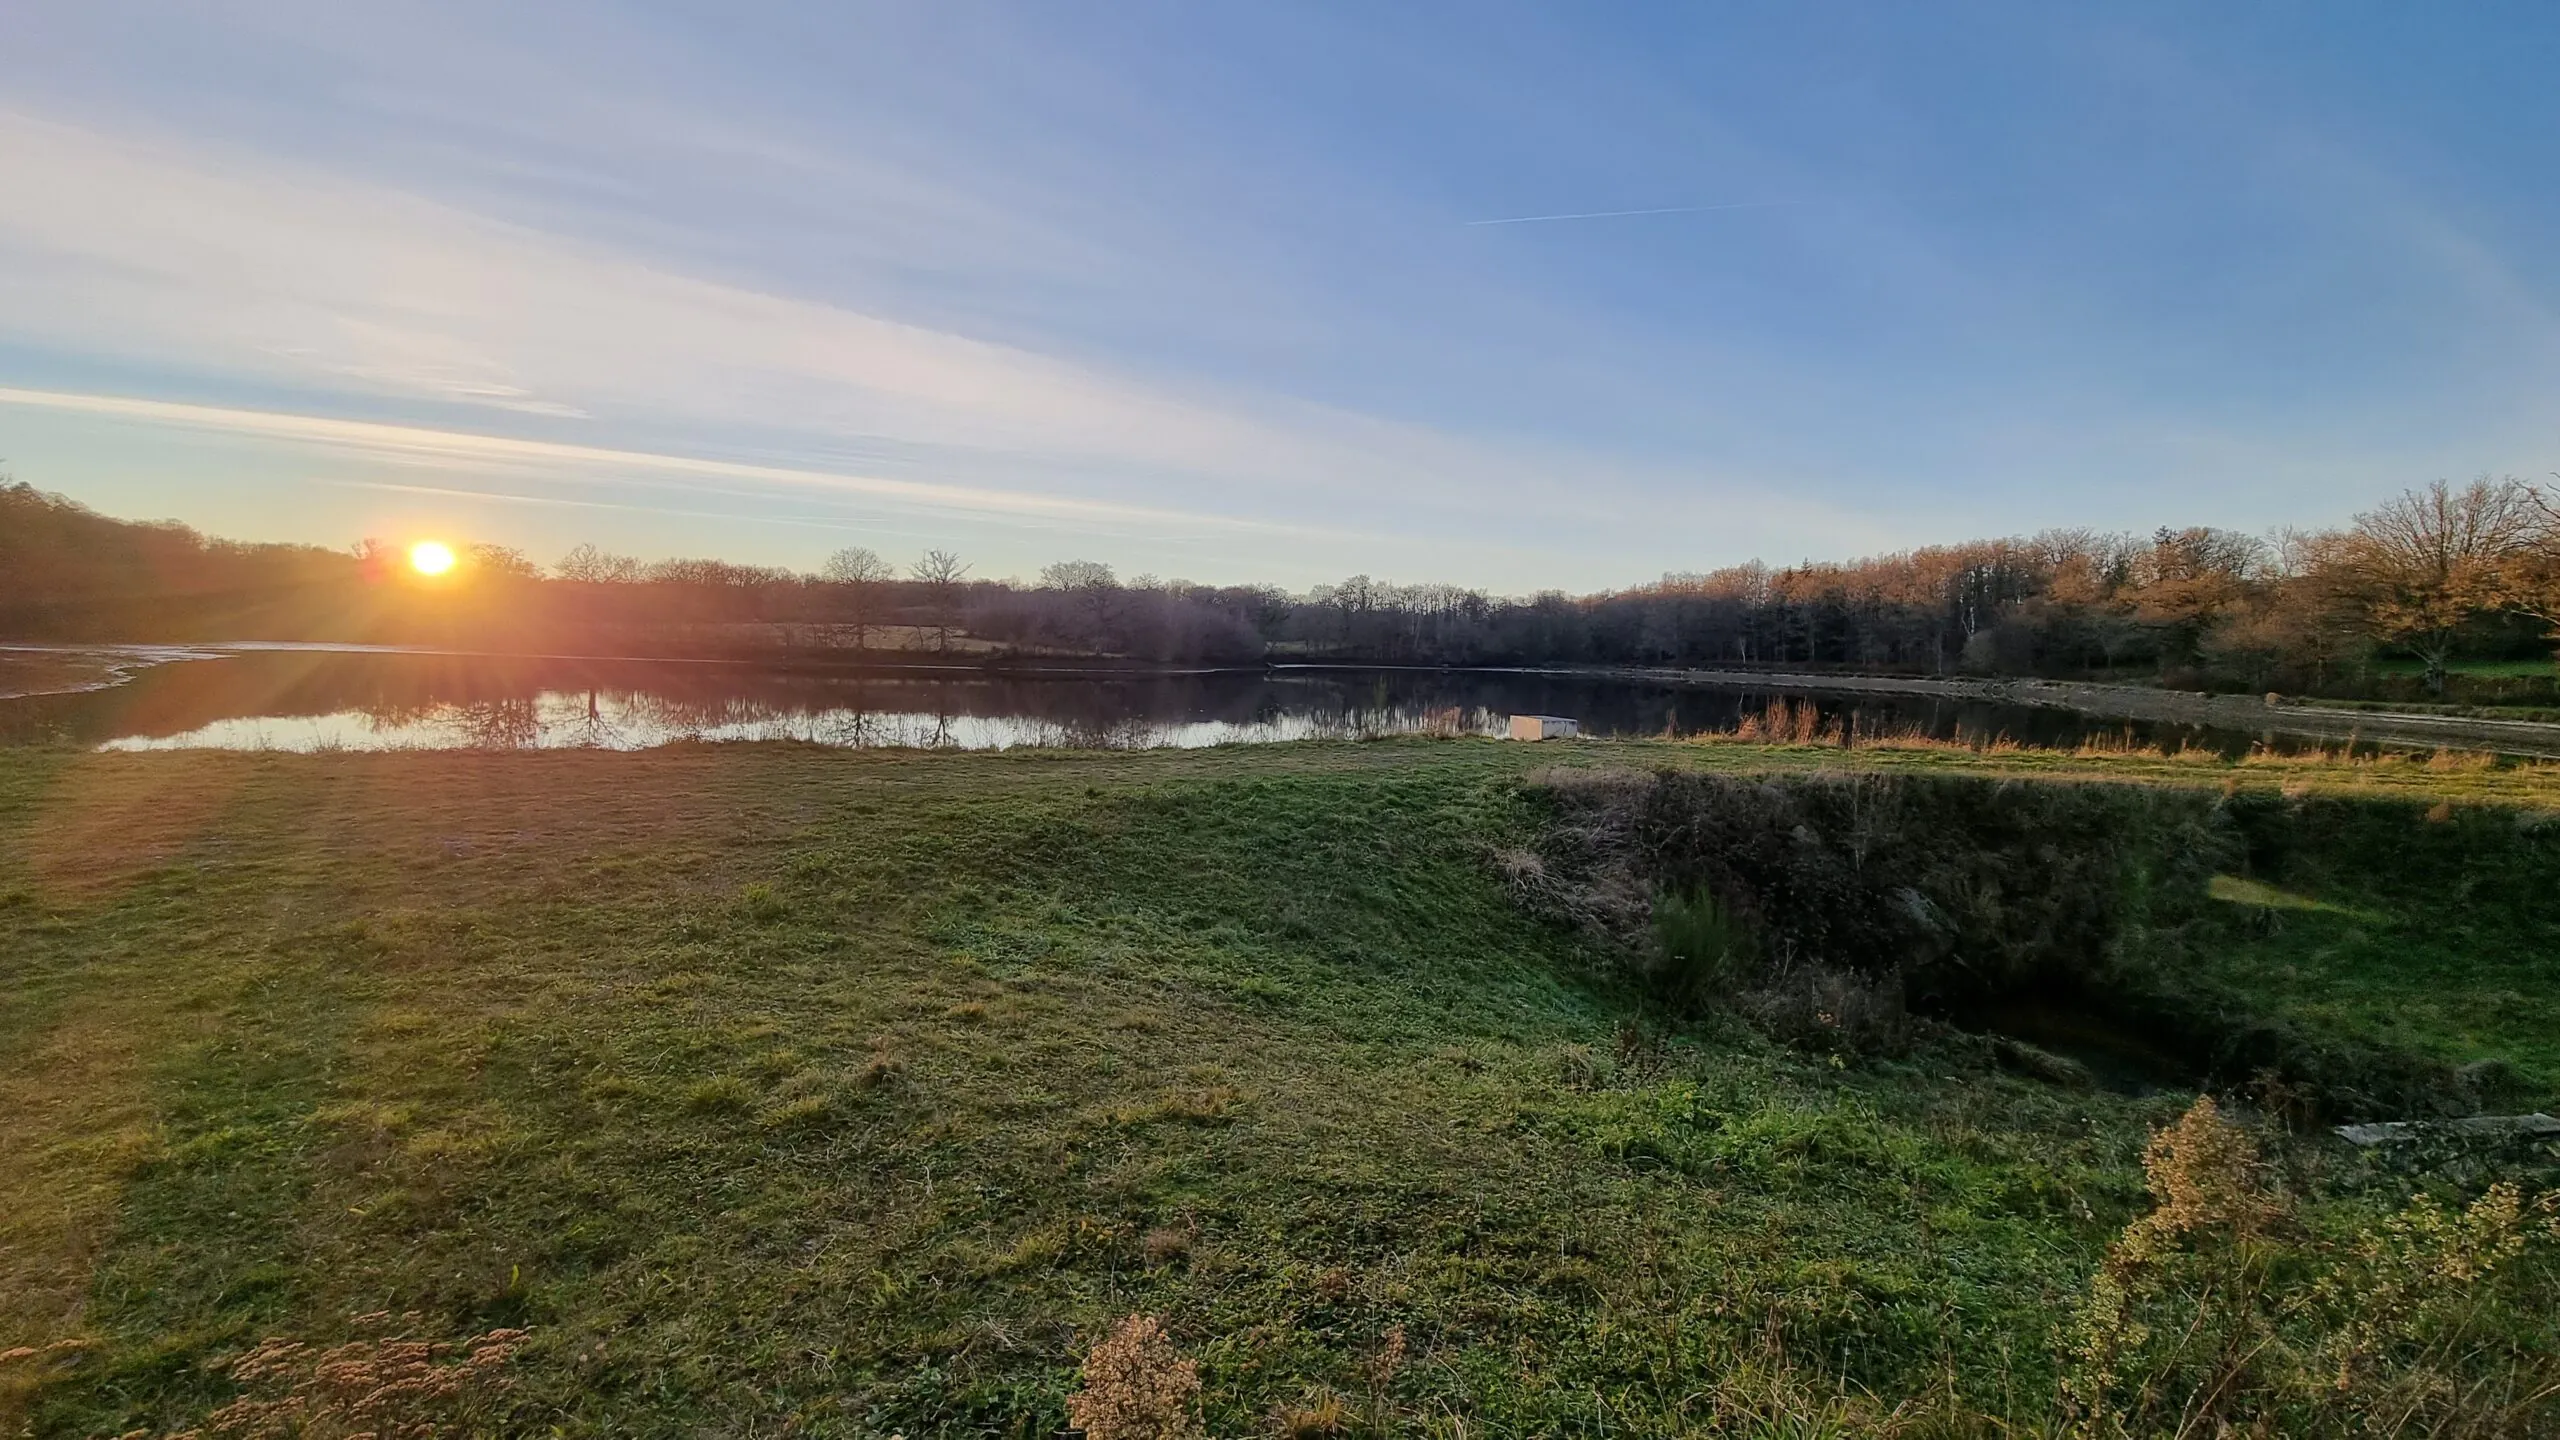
(2429, 931)
(2541, 713)
(2499, 669)
(776, 1088)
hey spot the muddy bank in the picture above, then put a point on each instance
(2137, 702)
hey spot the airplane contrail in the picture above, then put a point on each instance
(1614, 214)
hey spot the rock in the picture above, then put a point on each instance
(2042, 1064)
(2488, 1080)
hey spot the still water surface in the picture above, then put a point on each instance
(315, 699)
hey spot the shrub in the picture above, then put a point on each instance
(1824, 1008)
(1834, 909)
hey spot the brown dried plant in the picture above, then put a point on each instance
(390, 1387)
(2205, 1174)
(2186, 1329)
(1381, 1371)
(2174, 1311)
(1137, 1386)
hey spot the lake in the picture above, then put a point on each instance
(317, 698)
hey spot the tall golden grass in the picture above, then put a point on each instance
(388, 1387)
(1787, 721)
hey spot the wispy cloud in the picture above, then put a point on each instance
(1620, 214)
(863, 525)
(232, 265)
(563, 460)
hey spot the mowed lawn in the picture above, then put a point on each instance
(775, 1089)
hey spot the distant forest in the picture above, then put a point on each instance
(2395, 604)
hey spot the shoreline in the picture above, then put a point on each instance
(119, 662)
(2133, 702)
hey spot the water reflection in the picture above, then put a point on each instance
(946, 716)
(328, 701)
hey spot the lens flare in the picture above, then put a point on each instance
(431, 557)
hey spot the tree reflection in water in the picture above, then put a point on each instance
(378, 701)
(498, 725)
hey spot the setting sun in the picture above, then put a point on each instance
(431, 557)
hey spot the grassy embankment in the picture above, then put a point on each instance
(777, 1090)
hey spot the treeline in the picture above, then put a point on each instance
(67, 572)
(2432, 576)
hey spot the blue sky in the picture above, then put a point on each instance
(1198, 289)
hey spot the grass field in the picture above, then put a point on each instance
(778, 1090)
(2498, 669)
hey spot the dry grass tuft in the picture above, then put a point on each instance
(1165, 1245)
(1444, 724)
(2116, 747)
(1212, 1105)
(880, 1070)
(720, 1095)
(1787, 722)
(1320, 1418)
(391, 1388)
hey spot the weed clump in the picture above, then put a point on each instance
(795, 1112)
(1321, 1417)
(2223, 1310)
(720, 1095)
(1137, 1386)
(1212, 1105)
(881, 1069)
(1701, 950)
(762, 903)
(1165, 1245)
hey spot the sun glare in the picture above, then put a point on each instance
(431, 557)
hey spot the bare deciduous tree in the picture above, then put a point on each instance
(861, 573)
(592, 566)
(1093, 589)
(940, 572)
(502, 562)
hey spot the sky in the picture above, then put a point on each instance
(1265, 292)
